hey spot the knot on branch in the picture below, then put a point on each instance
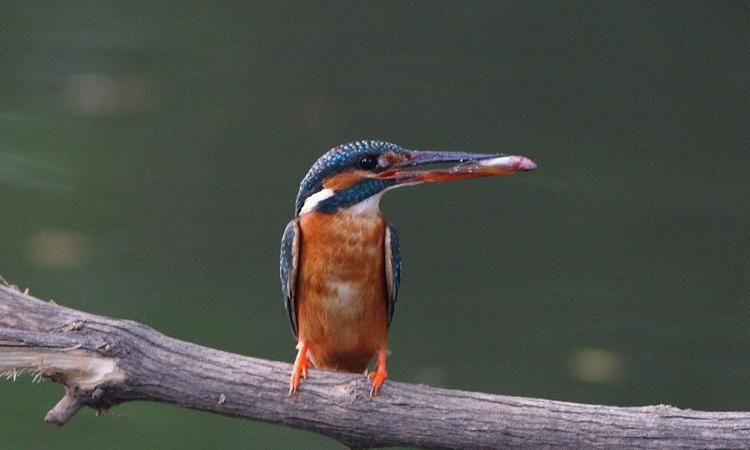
(101, 398)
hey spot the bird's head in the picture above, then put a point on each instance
(358, 173)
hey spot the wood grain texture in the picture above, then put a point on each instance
(151, 366)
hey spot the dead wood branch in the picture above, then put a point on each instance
(103, 362)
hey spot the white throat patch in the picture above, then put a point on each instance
(370, 205)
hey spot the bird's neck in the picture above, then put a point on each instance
(345, 225)
(368, 206)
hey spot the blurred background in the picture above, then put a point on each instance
(150, 154)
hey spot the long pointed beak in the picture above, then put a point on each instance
(468, 165)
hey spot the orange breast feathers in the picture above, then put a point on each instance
(341, 289)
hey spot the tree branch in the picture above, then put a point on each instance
(103, 362)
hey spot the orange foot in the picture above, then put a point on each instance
(299, 372)
(380, 374)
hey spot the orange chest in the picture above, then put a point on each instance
(341, 289)
(342, 253)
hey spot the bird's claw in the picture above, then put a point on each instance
(293, 386)
(299, 372)
(378, 378)
(297, 376)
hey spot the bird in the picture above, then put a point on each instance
(340, 264)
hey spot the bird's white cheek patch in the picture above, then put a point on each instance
(312, 201)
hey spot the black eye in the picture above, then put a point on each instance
(368, 162)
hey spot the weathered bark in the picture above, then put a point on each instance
(103, 362)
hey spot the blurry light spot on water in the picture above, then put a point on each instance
(596, 365)
(101, 94)
(57, 249)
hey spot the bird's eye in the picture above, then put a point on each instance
(368, 162)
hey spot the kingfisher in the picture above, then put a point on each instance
(340, 263)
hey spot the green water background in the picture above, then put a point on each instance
(150, 154)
